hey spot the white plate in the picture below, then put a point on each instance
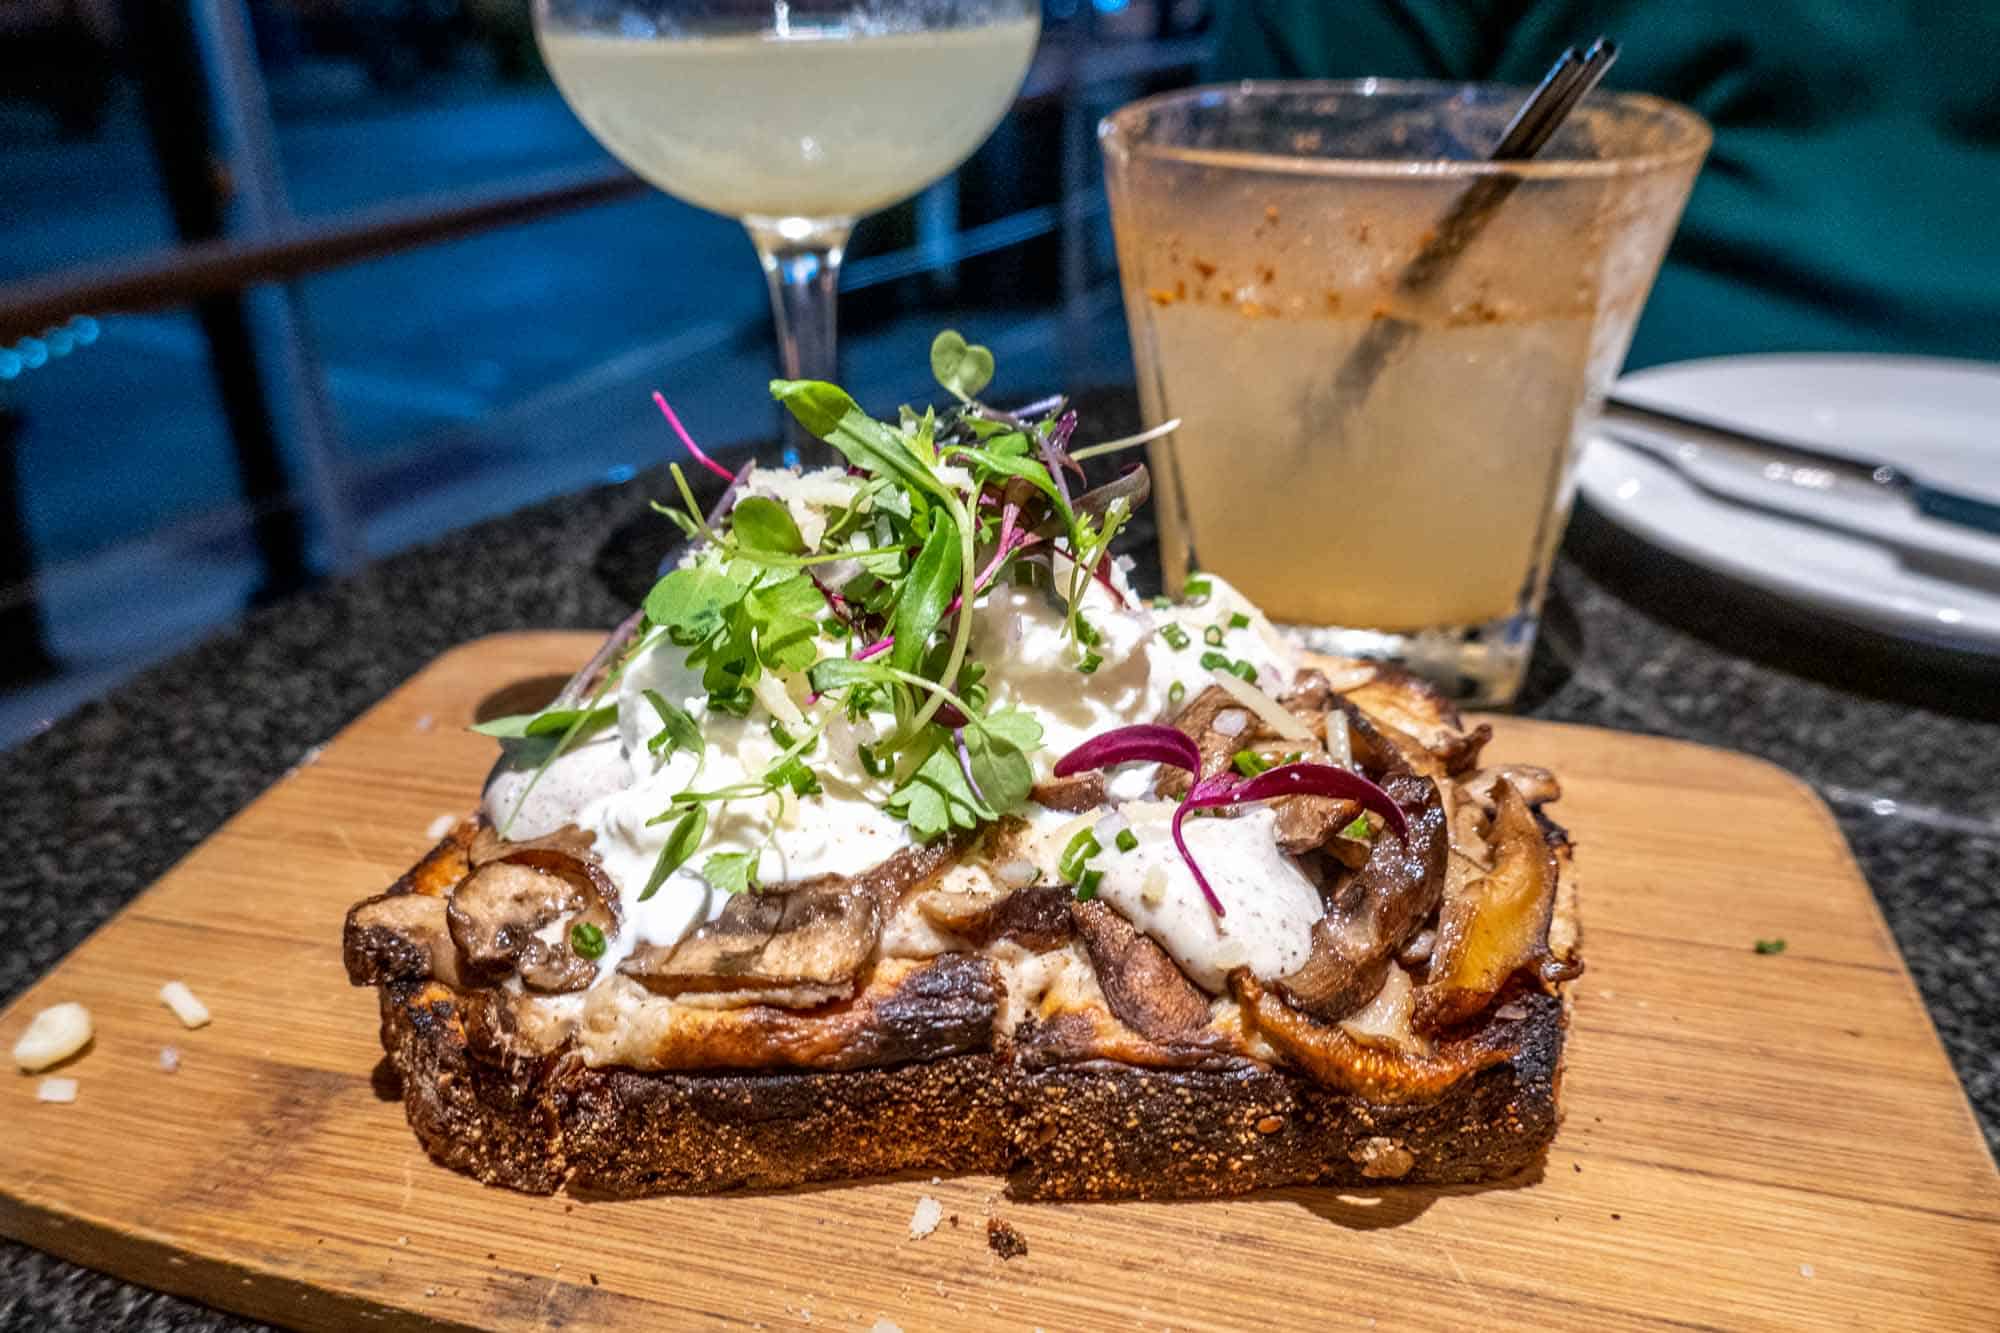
(1940, 419)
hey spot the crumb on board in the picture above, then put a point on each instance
(440, 826)
(885, 1325)
(1805, 1270)
(56, 1090)
(1004, 1240)
(191, 1011)
(426, 722)
(170, 1058)
(53, 1036)
(924, 1220)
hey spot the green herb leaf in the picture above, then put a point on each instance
(935, 798)
(833, 674)
(548, 722)
(962, 368)
(1358, 829)
(731, 872)
(690, 602)
(831, 415)
(1027, 469)
(681, 844)
(762, 524)
(586, 941)
(785, 619)
(1771, 946)
(679, 730)
(997, 747)
(926, 593)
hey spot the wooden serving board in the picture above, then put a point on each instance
(1751, 1141)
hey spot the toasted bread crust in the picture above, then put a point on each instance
(1094, 1130)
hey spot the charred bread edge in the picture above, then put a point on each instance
(1088, 1131)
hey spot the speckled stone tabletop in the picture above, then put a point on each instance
(1904, 744)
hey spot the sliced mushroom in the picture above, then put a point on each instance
(1371, 912)
(1071, 795)
(1331, 1056)
(1036, 918)
(498, 916)
(1537, 786)
(1143, 986)
(815, 935)
(1495, 925)
(399, 937)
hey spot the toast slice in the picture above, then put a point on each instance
(1024, 1034)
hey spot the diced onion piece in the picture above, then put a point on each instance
(170, 1059)
(56, 1090)
(1016, 872)
(1108, 828)
(1231, 721)
(191, 1012)
(1153, 888)
(57, 1033)
(1264, 706)
(1339, 745)
(770, 692)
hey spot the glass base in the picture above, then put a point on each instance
(1479, 666)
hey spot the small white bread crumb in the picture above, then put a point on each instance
(1805, 1270)
(170, 1058)
(191, 1012)
(56, 1090)
(57, 1033)
(926, 1218)
(440, 826)
(426, 722)
(885, 1325)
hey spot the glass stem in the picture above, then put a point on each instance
(801, 258)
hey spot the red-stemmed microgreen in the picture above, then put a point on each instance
(1152, 743)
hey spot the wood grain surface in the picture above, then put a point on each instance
(1751, 1141)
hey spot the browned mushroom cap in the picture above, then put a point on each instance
(1035, 918)
(495, 912)
(1071, 795)
(1537, 786)
(813, 939)
(398, 937)
(1371, 912)
(1493, 926)
(1331, 1056)
(1143, 986)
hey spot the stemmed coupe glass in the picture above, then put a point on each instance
(794, 116)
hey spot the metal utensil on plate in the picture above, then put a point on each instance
(1530, 130)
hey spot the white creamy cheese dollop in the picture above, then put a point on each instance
(613, 786)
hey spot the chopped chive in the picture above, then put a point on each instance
(1086, 884)
(1162, 603)
(1176, 637)
(1237, 620)
(586, 940)
(1243, 669)
(1196, 586)
(1212, 636)
(1215, 661)
(1127, 840)
(1175, 693)
(1081, 848)
(1771, 946)
(1358, 830)
(1086, 633)
(1249, 763)
(873, 765)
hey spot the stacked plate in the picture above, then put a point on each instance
(1861, 553)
